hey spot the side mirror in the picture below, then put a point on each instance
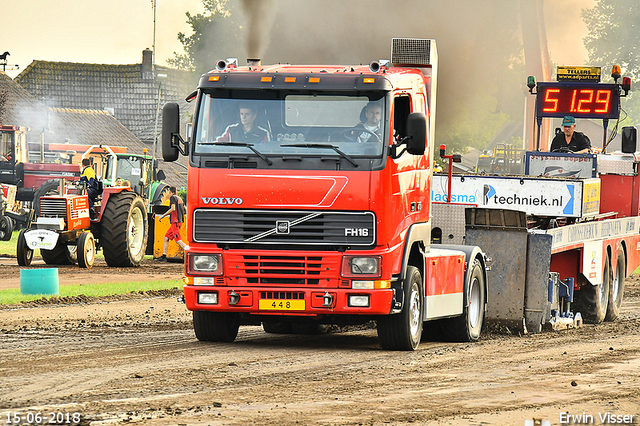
(170, 128)
(160, 175)
(189, 130)
(417, 133)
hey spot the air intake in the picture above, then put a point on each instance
(413, 51)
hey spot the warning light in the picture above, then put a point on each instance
(289, 79)
(266, 79)
(616, 72)
(369, 80)
(214, 78)
(314, 79)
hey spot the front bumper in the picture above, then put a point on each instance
(302, 301)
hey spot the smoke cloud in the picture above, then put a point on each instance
(260, 15)
(481, 62)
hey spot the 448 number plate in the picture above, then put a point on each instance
(281, 305)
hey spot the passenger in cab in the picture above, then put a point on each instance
(569, 140)
(370, 126)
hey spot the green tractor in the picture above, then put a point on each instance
(142, 174)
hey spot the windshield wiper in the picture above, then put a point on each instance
(248, 145)
(323, 145)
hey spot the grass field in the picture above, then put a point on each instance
(13, 296)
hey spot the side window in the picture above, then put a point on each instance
(401, 110)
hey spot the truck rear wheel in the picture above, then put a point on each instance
(402, 332)
(467, 327)
(86, 250)
(277, 327)
(216, 326)
(592, 300)
(616, 289)
(123, 230)
(6, 228)
(59, 255)
(23, 252)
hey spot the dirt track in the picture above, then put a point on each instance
(137, 361)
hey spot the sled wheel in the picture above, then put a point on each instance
(592, 300)
(402, 332)
(616, 289)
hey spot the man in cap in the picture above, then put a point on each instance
(569, 139)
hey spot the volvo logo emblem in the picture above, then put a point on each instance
(283, 227)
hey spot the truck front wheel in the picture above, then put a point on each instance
(592, 300)
(216, 326)
(402, 332)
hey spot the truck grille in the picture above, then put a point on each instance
(282, 270)
(53, 207)
(282, 227)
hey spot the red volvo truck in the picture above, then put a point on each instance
(308, 193)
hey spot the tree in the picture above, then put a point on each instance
(215, 33)
(614, 39)
(613, 35)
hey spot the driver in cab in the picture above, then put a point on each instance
(569, 140)
(246, 130)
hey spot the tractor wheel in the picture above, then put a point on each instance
(616, 289)
(402, 332)
(123, 230)
(6, 228)
(59, 255)
(592, 300)
(86, 250)
(216, 326)
(49, 187)
(23, 252)
(467, 327)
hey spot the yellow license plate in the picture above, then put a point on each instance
(281, 305)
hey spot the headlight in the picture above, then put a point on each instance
(208, 298)
(370, 266)
(206, 262)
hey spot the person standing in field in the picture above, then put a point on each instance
(176, 216)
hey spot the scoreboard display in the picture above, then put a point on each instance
(581, 100)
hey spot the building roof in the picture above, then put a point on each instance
(18, 107)
(132, 93)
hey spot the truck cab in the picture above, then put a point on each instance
(309, 199)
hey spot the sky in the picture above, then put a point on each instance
(117, 31)
(91, 31)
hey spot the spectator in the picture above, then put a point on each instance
(176, 213)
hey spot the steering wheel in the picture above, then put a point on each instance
(563, 149)
(353, 135)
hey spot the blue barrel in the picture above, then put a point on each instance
(39, 281)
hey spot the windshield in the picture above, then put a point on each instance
(353, 124)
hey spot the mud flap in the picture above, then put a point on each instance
(536, 292)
